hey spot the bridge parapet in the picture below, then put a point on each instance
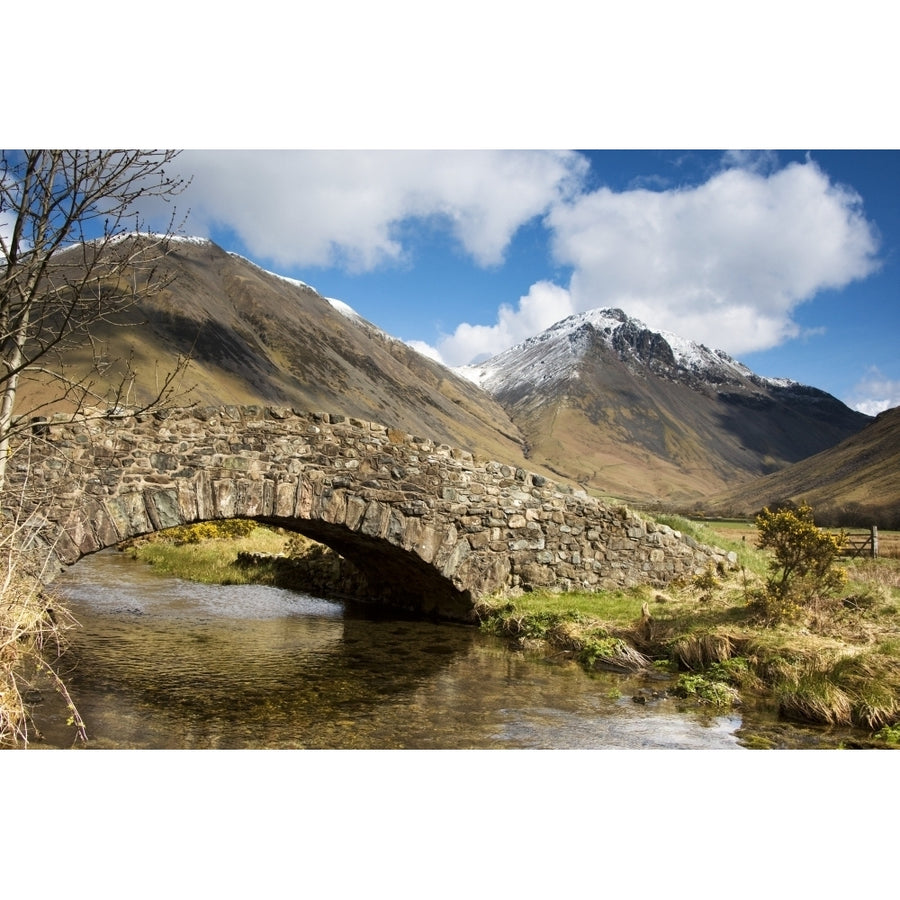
(431, 526)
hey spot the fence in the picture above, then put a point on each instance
(857, 544)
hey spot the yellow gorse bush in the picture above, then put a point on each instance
(802, 573)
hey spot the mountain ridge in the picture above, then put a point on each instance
(694, 420)
(257, 337)
(855, 482)
(598, 399)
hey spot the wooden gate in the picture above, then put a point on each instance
(861, 544)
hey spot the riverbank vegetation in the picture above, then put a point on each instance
(829, 656)
(208, 551)
(792, 625)
(32, 640)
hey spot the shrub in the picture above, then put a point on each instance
(215, 529)
(802, 573)
(706, 582)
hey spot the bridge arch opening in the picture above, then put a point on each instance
(366, 568)
(387, 574)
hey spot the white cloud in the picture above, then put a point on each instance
(724, 263)
(322, 208)
(543, 305)
(9, 194)
(875, 393)
(426, 350)
(6, 232)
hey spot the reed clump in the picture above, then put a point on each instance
(32, 639)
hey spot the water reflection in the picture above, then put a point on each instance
(162, 663)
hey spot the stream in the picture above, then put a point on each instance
(159, 662)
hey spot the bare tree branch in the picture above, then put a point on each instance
(75, 255)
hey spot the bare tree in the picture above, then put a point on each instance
(74, 253)
(75, 258)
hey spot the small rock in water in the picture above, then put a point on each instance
(646, 694)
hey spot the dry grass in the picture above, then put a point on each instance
(882, 572)
(32, 628)
(695, 652)
(31, 640)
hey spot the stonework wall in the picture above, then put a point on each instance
(432, 527)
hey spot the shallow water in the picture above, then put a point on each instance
(164, 663)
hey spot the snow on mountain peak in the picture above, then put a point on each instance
(555, 353)
(345, 309)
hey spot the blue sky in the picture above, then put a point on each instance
(787, 260)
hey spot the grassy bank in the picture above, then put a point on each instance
(838, 666)
(208, 552)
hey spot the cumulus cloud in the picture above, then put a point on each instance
(875, 393)
(543, 305)
(348, 207)
(426, 350)
(725, 262)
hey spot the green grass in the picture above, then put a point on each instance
(210, 560)
(738, 535)
(619, 607)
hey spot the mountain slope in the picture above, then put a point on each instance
(642, 415)
(598, 398)
(257, 338)
(856, 480)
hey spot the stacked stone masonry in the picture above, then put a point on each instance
(432, 527)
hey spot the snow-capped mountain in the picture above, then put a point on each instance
(644, 414)
(555, 353)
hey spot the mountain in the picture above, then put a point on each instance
(858, 481)
(648, 416)
(257, 338)
(597, 399)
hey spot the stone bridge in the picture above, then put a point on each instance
(430, 527)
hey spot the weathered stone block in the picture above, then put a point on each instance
(375, 520)
(129, 514)
(460, 551)
(355, 510)
(162, 508)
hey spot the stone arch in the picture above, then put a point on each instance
(405, 562)
(392, 574)
(434, 527)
